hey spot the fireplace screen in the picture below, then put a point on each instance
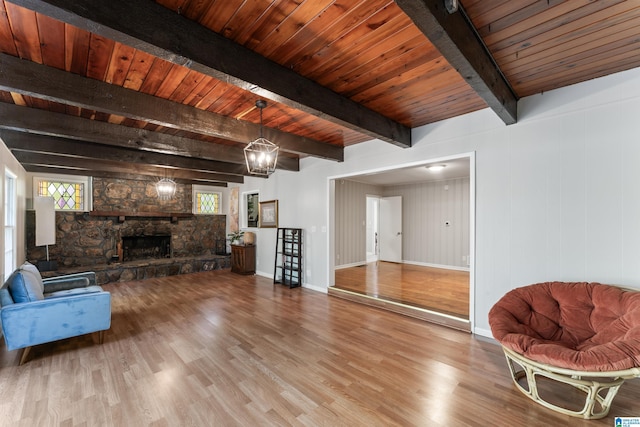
(145, 247)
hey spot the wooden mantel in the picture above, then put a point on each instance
(122, 215)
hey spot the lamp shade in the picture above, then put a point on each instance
(45, 220)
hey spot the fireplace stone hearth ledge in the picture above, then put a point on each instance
(149, 268)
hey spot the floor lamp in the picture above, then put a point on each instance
(45, 228)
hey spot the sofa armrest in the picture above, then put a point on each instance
(69, 281)
(38, 322)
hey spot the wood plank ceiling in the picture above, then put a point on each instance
(150, 88)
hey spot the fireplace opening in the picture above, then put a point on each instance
(145, 247)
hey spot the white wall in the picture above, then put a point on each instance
(8, 162)
(557, 194)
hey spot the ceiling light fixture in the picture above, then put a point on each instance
(261, 155)
(436, 168)
(166, 188)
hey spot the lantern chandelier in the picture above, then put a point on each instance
(261, 155)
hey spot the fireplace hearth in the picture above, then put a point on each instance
(146, 247)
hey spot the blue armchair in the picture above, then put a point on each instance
(35, 311)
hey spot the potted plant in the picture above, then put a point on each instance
(235, 236)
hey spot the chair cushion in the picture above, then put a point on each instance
(24, 286)
(580, 326)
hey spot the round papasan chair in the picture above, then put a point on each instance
(586, 335)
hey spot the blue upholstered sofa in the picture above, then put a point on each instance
(34, 310)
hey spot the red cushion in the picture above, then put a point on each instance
(580, 326)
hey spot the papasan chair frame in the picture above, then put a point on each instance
(599, 387)
(585, 335)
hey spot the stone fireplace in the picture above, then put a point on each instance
(131, 235)
(145, 247)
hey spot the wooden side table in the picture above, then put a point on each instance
(243, 259)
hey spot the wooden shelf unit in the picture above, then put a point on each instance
(288, 262)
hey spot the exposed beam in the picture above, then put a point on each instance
(45, 144)
(454, 36)
(114, 175)
(152, 28)
(65, 126)
(52, 84)
(82, 163)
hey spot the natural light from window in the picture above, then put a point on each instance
(10, 214)
(206, 200)
(69, 193)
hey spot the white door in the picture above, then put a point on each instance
(373, 209)
(391, 229)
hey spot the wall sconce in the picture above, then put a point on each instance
(166, 188)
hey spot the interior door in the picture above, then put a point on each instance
(391, 229)
(372, 229)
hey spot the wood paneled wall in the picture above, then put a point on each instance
(351, 216)
(426, 208)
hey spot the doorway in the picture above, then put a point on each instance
(427, 233)
(373, 208)
(390, 225)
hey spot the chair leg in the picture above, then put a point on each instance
(100, 337)
(25, 354)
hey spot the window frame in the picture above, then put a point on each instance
(11, 216)
(205, 189)
(85, 181)
(244, 209)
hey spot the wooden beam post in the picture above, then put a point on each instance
(152, 28)
(88, 150)
(88, 164)
(52, 84)
(454, 36)
(44, 122)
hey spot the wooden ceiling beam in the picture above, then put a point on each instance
(52, 84)
(45, 144)
(152, 28)
(104, 165)
(113, 175)
(65, 126)
(456, 39)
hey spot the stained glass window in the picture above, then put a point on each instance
(207, 203)
(67, 196)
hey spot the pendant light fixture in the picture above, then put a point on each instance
(261, 155)
(166, 188)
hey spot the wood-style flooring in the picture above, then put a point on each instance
(219, 349)
(441, 290)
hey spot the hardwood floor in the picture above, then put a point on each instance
(219, 349)
(437, 289)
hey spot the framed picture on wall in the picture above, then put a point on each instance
(269, 214)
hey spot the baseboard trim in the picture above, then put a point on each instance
(420, 264)
(353, 264)
(444, 267)
(315, 288)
